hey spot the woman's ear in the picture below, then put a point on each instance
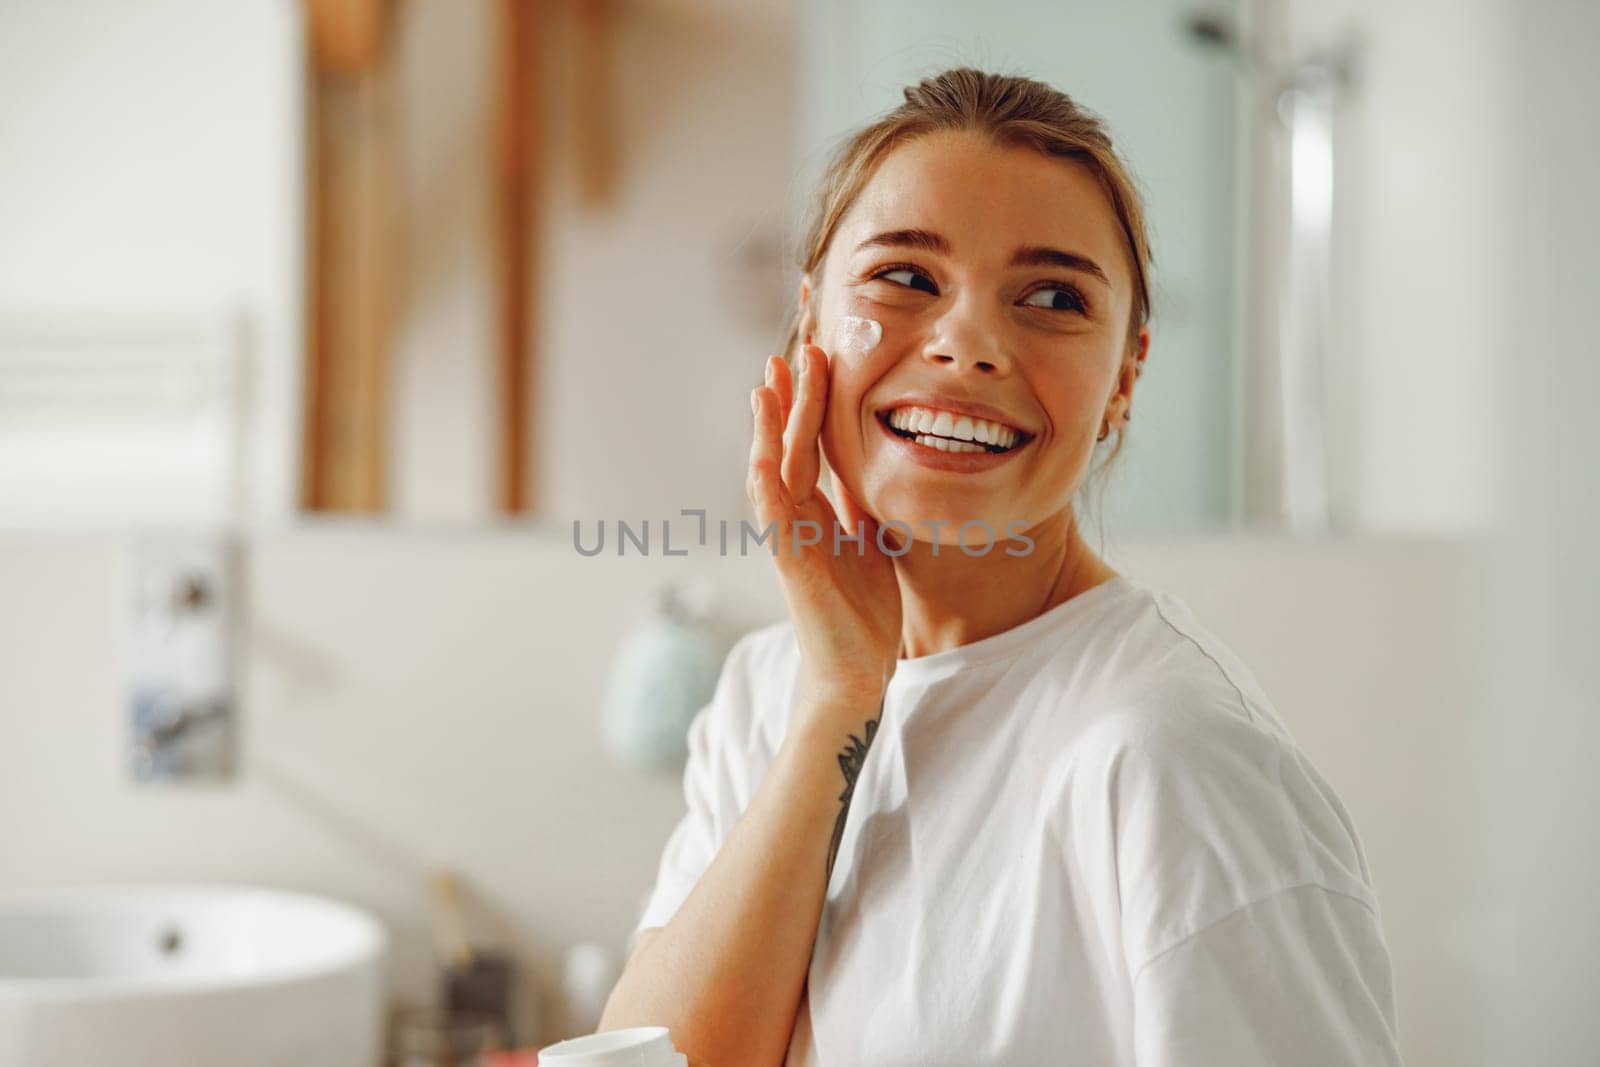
(1121, 402)
(1133, 366)
(808, 321)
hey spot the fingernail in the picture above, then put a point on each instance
(755, 403)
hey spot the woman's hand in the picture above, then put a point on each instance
(845, 604)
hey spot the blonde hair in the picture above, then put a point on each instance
(1011, 111)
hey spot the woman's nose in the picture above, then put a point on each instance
(963, 339)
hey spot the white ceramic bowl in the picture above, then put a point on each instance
(638, 1046)
(168, 976)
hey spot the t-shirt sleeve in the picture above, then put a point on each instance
(1300, 976)
(716, 786)
(1250, 927)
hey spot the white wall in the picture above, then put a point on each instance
(150, 163)
(1539, 937)
(413, 699)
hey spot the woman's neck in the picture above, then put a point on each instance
(953, 599)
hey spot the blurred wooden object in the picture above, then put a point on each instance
(353, 236)
(352, 245)
(594, 36)
(518, 163)
(346, 35)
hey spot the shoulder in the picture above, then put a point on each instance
(1148, 648)
(1204, 800)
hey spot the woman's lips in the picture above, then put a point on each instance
(936, 459)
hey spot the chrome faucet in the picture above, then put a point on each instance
(184, 742)
(181, 699)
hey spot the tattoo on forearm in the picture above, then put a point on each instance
(850, 761)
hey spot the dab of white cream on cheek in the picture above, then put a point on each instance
(857, 337)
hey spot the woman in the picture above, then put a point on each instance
(1002, 806)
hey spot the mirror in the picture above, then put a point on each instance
(654, 305)
(695, 250)
(457, 263)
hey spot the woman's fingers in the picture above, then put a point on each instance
(801, 451)
(764, 482)
(779, 379)
(785, 449)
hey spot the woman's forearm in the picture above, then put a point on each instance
(726, 974)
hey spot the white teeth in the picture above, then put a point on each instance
(970, 433)
(944, 444)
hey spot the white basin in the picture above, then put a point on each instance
(141, 976)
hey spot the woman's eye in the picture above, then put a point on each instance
(912, 275)
(1062, 298)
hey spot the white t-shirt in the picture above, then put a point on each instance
(1088, 840)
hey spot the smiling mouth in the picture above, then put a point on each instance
(956, 438)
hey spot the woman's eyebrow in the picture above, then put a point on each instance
(926, 240)
(1028, 256)
(1042, 256)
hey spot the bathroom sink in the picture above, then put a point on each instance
(140, 976)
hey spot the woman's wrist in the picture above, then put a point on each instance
(827, 719)
(837, 698)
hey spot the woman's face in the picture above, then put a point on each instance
(1003, 289)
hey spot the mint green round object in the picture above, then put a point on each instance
(663, 673)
